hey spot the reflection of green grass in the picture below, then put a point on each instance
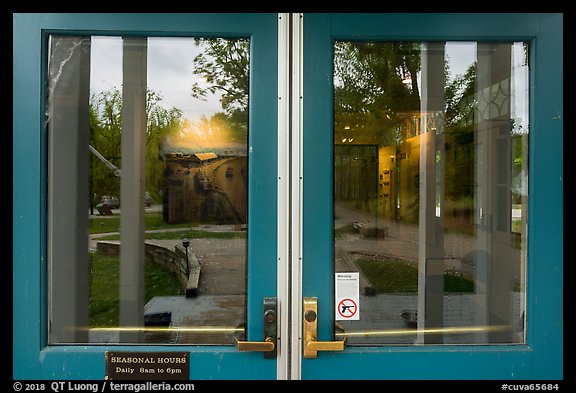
(190, 234)
(104, 288)
(153, 220)
(396, 276)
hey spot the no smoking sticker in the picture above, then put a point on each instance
(347, 296)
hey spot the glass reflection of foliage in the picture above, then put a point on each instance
(377, 102)
(224, 66)
(460, 104)
(105, 113)
(459, 96)
(105, 137)
(371, 93)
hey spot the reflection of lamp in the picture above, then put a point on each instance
(186, 244)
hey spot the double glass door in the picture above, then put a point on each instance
(288, 196)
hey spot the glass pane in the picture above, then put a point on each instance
(430, 190)
(148, 169)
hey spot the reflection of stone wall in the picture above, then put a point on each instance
(364, 174)
(185, 269)
(193, 192)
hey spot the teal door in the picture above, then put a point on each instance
(381, 193)
(144, 156)
(432, 196)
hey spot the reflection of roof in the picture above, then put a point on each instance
(205, 156)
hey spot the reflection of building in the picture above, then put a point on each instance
(197, 188)
(203, 157)
(383, 177)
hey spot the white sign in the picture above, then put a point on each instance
(347, 296)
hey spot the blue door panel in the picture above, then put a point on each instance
(87, 363)
(32, 358)
(542, 356)
(425, 364)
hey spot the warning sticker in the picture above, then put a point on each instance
(347, 296)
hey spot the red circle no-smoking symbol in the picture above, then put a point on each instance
(347, 308)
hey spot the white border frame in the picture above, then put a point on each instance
(297, 175)
(290, 98)
(283, 207)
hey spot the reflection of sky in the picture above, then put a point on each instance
(460, 56)
(519, 87)
(170, 72)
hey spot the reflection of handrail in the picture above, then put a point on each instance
(105, 161)
(399, 332)
(193, 329)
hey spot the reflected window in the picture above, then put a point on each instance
(430, 189)
(147, 193)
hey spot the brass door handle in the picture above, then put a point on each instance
(311, 345)
(268, 345)
(314, 345)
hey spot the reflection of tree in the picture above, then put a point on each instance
(460, 103)
(160, 123)
(375, 85)
(224, 66)
(105, 126)
(377, 102)
(105, 137)
(460, 98)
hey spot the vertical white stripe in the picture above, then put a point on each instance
(283, 202)
(296, 197)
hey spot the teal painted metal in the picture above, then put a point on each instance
(317, 221)
(541, 358)
(217, 363)
(32, 359)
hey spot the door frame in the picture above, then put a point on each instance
(32, 357)
(541, 356)
(284, 184)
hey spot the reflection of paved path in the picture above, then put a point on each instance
(223, 265)
(383, 313)
(401, 241)
(221, 291)
(222, 312)
(223, 279)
